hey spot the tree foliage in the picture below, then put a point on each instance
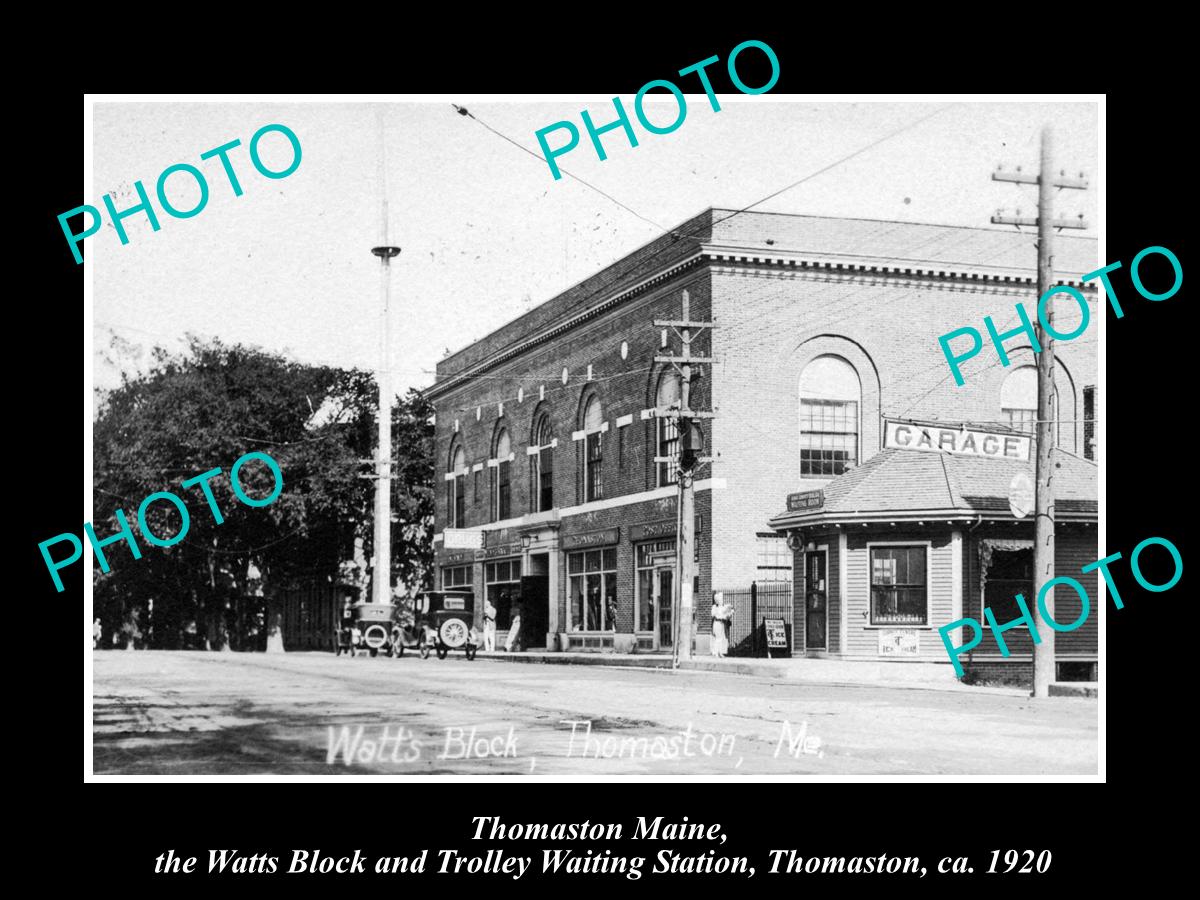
(204, 408)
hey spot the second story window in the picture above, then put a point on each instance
(830, 396)
(456, 490)
(667, 430)
(542, 467)
(593, 452)
(1018, 399)
(502, 477)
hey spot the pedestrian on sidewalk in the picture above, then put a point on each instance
(514, 630)
(722, 615)
(489, 626)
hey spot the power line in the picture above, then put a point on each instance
(696, 229)
(463, 111)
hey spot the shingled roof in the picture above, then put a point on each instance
(911, 484)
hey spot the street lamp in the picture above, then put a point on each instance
(383, 483)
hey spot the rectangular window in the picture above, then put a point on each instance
(543, 479)
(456, 577)
(828, 437)
(501, 490)
(1089, 422)
(594, 470)
(620, 448)
(456, 501)
(592, 587)
(898, 586)
(1024, 420)
(477, 486)
(774, 559)
(1009, 573)
(668, 446)
(503, 585)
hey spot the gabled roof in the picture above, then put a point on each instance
(909, 484)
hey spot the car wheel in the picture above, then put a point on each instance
(454, 633)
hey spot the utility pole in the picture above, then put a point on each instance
(683, 613)
(1047, 415)
(383, 482)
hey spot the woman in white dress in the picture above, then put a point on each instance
(721, 615)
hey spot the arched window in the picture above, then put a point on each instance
(593, 457)
(501, 464)
(541, 488)
(456, 490)
(830, 398)
(1018, 400)
(667, 430)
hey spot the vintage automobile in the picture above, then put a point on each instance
(368, 628)
(449, 615)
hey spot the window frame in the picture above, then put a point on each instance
(759, 538)
(871, 545)
(593, 469)
(540, 484)
(847, 465)
(608, 577)
(456, 499)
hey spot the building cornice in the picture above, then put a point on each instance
(739, 259)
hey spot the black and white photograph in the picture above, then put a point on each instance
(533, 437)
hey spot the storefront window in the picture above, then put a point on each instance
(456, 577)
(668, 430)
(652, 556)
(592, 586)
(898, 586)
(503, 580)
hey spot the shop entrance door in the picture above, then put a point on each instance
(664, 595)
(535, 611)
(815, 605)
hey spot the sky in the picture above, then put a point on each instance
(486, 231)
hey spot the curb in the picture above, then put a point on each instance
(748, 668)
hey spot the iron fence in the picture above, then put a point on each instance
(751, 608)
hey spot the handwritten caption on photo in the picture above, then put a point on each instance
(354, 744)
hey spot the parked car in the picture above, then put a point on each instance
(450, 614)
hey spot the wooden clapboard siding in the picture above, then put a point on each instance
(1075, 546)
(862, 639)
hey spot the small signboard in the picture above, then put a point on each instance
(805, 500)
(896, 642)
(776, 632)
(462, 539)
(959, 441)
(1020, 495)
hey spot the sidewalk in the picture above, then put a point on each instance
(911, 675)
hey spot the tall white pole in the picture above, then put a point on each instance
(383, 460)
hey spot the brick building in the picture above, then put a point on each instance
(825, 327)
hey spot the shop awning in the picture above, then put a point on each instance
(909, 485)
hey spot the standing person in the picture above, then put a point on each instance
(722, 615)
(489, 626)
(514, 629)
(96, 631)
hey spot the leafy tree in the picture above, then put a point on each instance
(204, 408)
